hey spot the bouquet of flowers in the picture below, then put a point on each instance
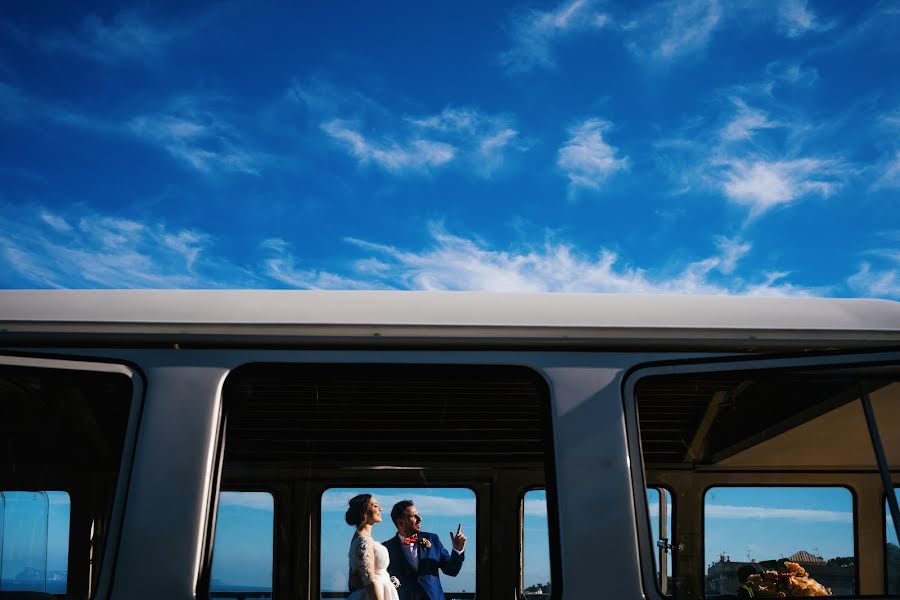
(793, 582)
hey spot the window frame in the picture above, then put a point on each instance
(712, 364)
(672, 536)
(854, 501)
(105, 564)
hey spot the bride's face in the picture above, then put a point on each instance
(373, 514)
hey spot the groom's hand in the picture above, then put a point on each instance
(459, 540)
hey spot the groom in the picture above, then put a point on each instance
(416, 555)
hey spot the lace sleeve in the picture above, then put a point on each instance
(362, 561)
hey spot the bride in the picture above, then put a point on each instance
(369, 579)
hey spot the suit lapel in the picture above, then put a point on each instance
(421, 550)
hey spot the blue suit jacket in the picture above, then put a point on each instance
(426, 582)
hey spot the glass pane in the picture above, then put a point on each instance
(442, 510)
(37, 528)
(751, 529)
(24, 563)
(244, 545)
(892, 554)
(535, 546)
(60, 507)
(661, 543)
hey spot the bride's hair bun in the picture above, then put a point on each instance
(356, 509)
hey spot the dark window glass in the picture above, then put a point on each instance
(63, 437)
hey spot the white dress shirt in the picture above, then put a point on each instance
(410, 551)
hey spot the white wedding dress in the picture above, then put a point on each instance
(369, 561)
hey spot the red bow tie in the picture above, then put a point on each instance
(411, 539)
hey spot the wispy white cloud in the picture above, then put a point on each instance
(745, 122)
(16, 105)
(879, 275)
(128, 36)
(193, 130)
(49, 249)
(458, 263)
(726, 511)
(484, 140)
(673, 29)
(195, 134)
(795, 19)
(534, 33)
(476, 141)
(758, 152)
(254, 500)
(792, 73)
(875, 283)
(280, 265)
(412, 155)
(427, 504)
(890, 173)
(586, 158)
(535, 507)
(764, 184)
(55, 221)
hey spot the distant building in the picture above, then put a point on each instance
(539, 590)
(722, 579)
(805, 559)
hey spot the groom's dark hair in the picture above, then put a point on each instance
(398, 509)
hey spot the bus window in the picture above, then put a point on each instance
(243, 551)
(535, 546)
(753, 529)
(659, 505)
(449, 437)
(441, 510)
(771, 457)
(63, 435)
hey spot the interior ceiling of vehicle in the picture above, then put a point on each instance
(765, 419)
(400, 414)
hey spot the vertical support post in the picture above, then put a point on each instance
(883, 468)
(664, 548)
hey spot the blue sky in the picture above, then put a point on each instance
(770, 523)
(699, 146)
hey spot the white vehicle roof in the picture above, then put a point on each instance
(186, 315)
